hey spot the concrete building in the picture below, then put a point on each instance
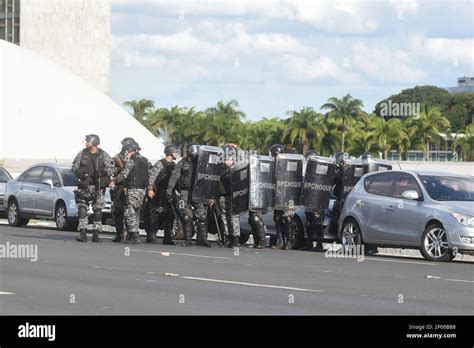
(73, 33)
(46, 111)
(465, 85)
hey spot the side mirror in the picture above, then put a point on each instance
(48, 182)
(410, 194)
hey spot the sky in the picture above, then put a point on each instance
(277, 56)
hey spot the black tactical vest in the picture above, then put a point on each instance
(187, 175)
(161, 182)
(138, 176)
(93, 165)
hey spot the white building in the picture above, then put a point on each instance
(73, 33)
(46, 111)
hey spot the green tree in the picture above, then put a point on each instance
(346, 109)
(386, 134)
(224, 123)
(140, 109)
(463, 143)
(430, 123)
(305, 127)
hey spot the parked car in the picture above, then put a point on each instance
(429, 211)
(45, 191)
(4, 178)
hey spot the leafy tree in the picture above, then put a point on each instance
(305, 127)
(463, 143)
(346, 109)
(430, 123)
(460, 111)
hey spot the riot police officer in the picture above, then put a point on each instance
(117, 193)
(313, 223)
(93, 169)
(158, 210)
(184, 176)
(338, 192)
(134, 177)
(230, 222)
(284, 223)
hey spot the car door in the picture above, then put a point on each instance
(28, 187)
(408, 216)
(4, 177)
(376, 205)
(46, 196)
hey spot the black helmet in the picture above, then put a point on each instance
(276, 149)
(230, 152)
(171, 149)
(128, 140)
(311, 153)
(192, 150)
(92, 139)
(127, 148)
(340, 158)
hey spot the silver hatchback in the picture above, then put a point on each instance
(429, 211)
(45, 191)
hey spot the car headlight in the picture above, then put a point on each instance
(463, 219)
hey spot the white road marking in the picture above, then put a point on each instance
(250, 284)
(401, 261)
(6, 293)
(192, 255)
(460, 280)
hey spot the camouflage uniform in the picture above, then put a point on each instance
(88, 189)
(134, 196)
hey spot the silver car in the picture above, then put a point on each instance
(45, 191)
(4, 178)
(429, 211)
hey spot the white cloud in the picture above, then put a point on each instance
(299, 69)
(385, 64)
(444, 50)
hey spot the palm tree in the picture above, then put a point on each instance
(305, 126)
(429, 124)
(386, 134)
(412, 141)
(140, 108)
(359, 136)
(224, 123)
(264, 133)
(464, 143)
(346, 109)
(331, 139)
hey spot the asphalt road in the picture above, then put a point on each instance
(91, 278)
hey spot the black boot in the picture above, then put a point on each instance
(235, 242)
(202, 235)
(280, 244)
(167, 238)
(135, 239)
(95, 237)
(151, 238)
(118, 237)
(82, 236)
(188, 234)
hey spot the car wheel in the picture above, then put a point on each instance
(60, 217)
(351, 237)
(434, 244)
(244, 238)
(13, 215)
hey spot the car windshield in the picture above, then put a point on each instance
(4, 176)
(68, 177)
(445, 188)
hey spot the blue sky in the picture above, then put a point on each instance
(275, 56)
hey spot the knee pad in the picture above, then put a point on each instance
(255, 220)
(97, 216)
(186, 218)
(202, 217)
(82, 212)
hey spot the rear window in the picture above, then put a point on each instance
(33, 175)
(68, 177)
(379, 184)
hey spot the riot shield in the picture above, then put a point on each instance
(377, 165)
(318, 182)
(353, 171)
(208, 173)
(261, 184)
(288, 180)
(239, 187)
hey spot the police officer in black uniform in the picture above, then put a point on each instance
(183, 176)
(284, 223)
(313, 223)
(158, 210)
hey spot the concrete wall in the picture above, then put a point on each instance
(73, 33)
